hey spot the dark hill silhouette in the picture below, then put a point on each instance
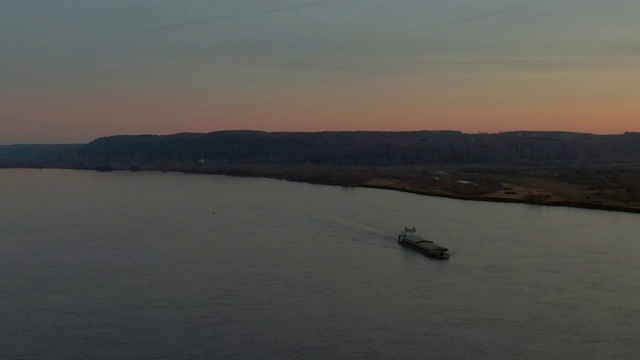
(359, 148)
(551, 168)
(354, 148)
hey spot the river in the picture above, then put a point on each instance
(124, 265)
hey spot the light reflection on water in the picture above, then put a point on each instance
(135, 265)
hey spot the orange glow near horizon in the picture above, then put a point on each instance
(601, 102)
(482, 66)
(73, 120)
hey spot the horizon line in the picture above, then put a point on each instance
(322, 131)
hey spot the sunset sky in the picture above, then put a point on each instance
(75, 70)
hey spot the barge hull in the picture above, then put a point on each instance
(425, 252)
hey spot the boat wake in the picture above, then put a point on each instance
(381, 237)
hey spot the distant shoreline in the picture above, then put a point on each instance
(540, 168)
(525, 194)
(570, 204)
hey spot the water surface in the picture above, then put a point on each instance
(171, 266)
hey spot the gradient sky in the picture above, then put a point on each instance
(74, 70)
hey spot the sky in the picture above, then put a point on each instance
(75, 70)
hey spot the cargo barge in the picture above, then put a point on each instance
(412, 240)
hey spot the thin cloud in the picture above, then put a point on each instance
(216, 18)
(493, 13)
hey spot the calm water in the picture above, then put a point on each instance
(137, 266)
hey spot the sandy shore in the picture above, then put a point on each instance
(513, 193)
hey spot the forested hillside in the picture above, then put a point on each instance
(551, 168)
(348, 149)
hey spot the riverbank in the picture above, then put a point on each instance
(611, 188)
(542, 168)
(511, 199)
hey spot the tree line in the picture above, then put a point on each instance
(337, 149)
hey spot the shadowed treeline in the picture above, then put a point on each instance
(552, 168)
(345, 149)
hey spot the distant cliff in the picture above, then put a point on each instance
(338, 149)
